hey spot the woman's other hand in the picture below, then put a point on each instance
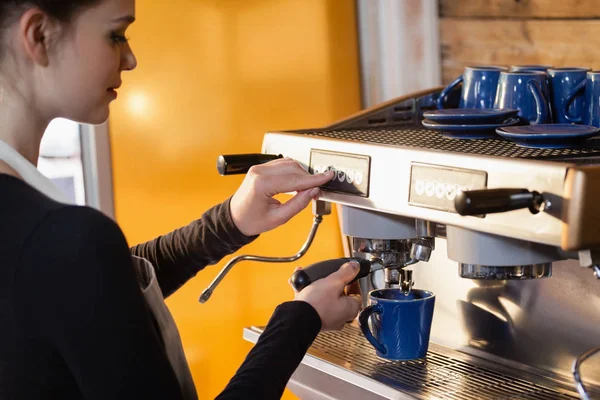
(329, 300)
(253, 208)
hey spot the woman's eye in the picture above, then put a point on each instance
(118, 39)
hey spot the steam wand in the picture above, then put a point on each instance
(320, 208)
(587, 258)
(577, 375)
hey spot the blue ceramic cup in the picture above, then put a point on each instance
(534, 68)
(566, 103)
(590, 112)
(401, 324)
(526, 92)
(527, 68)
(479, 87)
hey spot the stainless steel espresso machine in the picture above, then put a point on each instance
(507, 237)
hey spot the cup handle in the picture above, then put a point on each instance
(363, 321)
(540, 101)
(447, 89)
(570, 97)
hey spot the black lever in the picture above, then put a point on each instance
(232, 164)
(304, 277)
(479, 202)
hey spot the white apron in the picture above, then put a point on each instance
(144, 270)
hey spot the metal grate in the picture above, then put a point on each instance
(436, 376)
(420, 137)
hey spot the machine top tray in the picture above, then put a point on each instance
(419, 137)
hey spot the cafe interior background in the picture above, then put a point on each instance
(215, 75)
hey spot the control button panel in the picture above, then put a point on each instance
(436, 186)
(351, 171)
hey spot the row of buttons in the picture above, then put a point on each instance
(349, 175)
(439, 189)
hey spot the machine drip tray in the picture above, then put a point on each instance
(350, 370)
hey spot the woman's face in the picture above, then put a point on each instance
(84, 68)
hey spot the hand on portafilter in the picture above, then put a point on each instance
(328, 298)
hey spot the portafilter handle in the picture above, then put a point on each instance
(322, 269)
(233, 164)
(488, 201)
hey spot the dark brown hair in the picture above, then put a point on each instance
(61, 10)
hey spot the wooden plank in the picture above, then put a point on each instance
(520, 9)
(581, 215)
(560, 43)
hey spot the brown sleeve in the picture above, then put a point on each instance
(179, 255)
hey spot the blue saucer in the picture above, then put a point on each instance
(469, 116)
(549, 136)
(469, 131)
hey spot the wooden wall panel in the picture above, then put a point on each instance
(560, 43)
(508, 32)
(520, 8)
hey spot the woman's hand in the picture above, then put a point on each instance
(329, 300)
(253, 208)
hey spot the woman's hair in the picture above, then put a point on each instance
(61, 10)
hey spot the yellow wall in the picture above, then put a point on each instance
(213, 76)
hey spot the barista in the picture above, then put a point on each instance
(82, 313)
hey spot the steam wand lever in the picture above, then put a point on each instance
(488, 201)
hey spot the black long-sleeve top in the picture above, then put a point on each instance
(74, 323)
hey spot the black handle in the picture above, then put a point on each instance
(232, 164)
(479, 202)
(304, 277)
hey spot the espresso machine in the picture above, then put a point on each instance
(507, 237)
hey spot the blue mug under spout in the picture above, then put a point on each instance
(401, 323)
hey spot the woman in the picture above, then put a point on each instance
(82, 314)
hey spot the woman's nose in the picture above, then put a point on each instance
(128, 62)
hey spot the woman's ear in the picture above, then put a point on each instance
(36, 32)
